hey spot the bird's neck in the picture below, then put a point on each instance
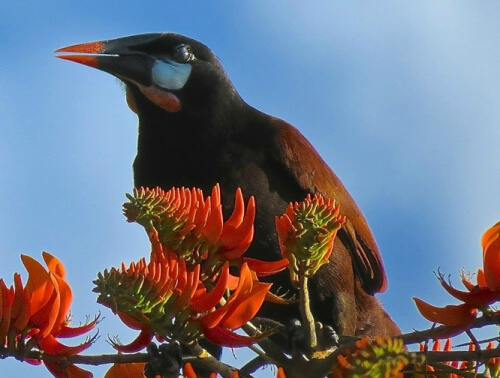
(178, 149)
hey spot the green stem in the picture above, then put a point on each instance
(306, 314)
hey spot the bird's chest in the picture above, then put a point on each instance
(231, 168)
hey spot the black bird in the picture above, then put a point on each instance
(195, 130)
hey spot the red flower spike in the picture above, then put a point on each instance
(65, 300)
(6, 306)
(447, 345)
(140, 342)
(18, 296)
(238, 235)
(45, 319)
(39, 283)
(54, 264)
(130, 322)
(130, 370)
(51, 346)
(224, 337)
(67, 332)
(478, 299)
(213, 229)
(481, 280)
(280, 373)
(452, 316)
(491, 257)
(235, 374)
(205, 302)
(188, 371)
(265, 268)
(22, 318)
(246, 307)
(437, 346)
(236, 217)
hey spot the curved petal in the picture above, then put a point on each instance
(224, 337)
(53, 347)
(479, 298)
(452, 316)
(207, 301)
(71, 371)
(66, 331)
(266, 268)
(141, 342)
(188, 371)
(39, 283)
(131, 370)
(491, 257)
(245, 307)
(54, 264)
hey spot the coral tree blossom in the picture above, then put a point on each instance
(186, 291)
(478, 296)
(34, 316)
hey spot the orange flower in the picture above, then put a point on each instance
(491, 257)
(164, 298)
(130, 370)
(193, 226)
(493, 364)
(478, 296)
(39, 311)
(306, 234)
(452, 316)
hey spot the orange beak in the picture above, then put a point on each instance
(82, 48)
(124, 57)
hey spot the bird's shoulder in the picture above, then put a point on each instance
(314, 175)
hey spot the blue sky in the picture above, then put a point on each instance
(400, 98)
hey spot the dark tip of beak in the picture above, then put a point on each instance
(87, 48)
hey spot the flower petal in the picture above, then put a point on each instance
(207, 301)
(491, 257)
(54, 264)
(479, 298)
(246, 307)
(141, 341)
(66, 331)
(451, 315)
(224, 337)
(130, 370)
(265, 268)
(53, 347)
(71, 371)
(39, 283)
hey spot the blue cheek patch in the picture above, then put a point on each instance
(171, 75)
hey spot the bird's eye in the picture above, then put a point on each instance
(183, 54)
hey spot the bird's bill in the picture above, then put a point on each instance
(115, 56)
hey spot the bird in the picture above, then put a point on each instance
(195, 130)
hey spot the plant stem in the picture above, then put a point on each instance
(306, 314)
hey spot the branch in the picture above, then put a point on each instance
(443, 332)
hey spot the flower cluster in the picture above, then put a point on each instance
(194, 228)
(164, 298)
(186, 291)
(377, 357)
(35, 315)
(306, 234)
(491, 367)
(479, 296)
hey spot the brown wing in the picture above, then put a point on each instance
(314, 175)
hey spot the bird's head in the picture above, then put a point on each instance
(173, 72)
